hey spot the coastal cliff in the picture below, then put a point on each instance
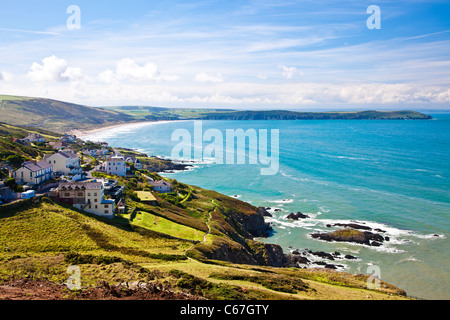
(234, 227)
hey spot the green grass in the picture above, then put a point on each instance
(159, 224)
(41, 239)
(51, 228)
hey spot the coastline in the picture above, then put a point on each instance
(292, 259)
(300, 249)
(80, 133)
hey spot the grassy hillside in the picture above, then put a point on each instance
(10, 147)
(39, 240)
(56, 115)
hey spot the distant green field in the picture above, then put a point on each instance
(161, 225)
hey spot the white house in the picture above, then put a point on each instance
(68, 138)
(64, 162)
(88, 196)
(34, 137)
(95, 152)
(33, 172)
(116, 165)
(161, 186)
(136, 162)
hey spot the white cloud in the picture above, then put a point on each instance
(6, 76)
(53, 69)
(290, 72)
(203, 77)
(128, 69)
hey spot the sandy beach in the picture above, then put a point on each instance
(84, 133)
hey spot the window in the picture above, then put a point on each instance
(96, 207)
(80, 194)
(95, 200)
(106, 211)
(89, 194)
(67, 194)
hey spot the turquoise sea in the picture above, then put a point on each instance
(392, 175)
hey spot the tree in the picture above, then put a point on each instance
(11, 182)
(16, 160)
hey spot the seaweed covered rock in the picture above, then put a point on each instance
(351, 235)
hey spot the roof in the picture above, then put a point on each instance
(36, 166)
(57, 144)
(34, 136)
(80, 185)
(161, 183)
(67, 154)
(145, 196)
(115, 158)
(64, 154)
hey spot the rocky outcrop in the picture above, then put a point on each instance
(251, 252)
(351, 235)
(353, 225)
(313, 259)
(357, 226)
(296, 216)
(256, 225)
(263, 211)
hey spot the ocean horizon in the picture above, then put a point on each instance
(392, 175)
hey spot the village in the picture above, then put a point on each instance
(82, 174)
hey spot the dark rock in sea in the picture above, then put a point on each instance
(323, 255)
(263, 211)
(294, 260)
(277, 210)
(353, 225)
(375, 244)
(349, 235)
(330, 266)
(295, 251)
(328, 225)
(386, 238)
(336, 253)
(350, 257)
(379, 230)
(296, 216)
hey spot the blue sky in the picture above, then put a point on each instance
(241, 54)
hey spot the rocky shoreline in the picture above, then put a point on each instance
(347, 232)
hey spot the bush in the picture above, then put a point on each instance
(205, 288)
(16, 160)
(76, 258)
